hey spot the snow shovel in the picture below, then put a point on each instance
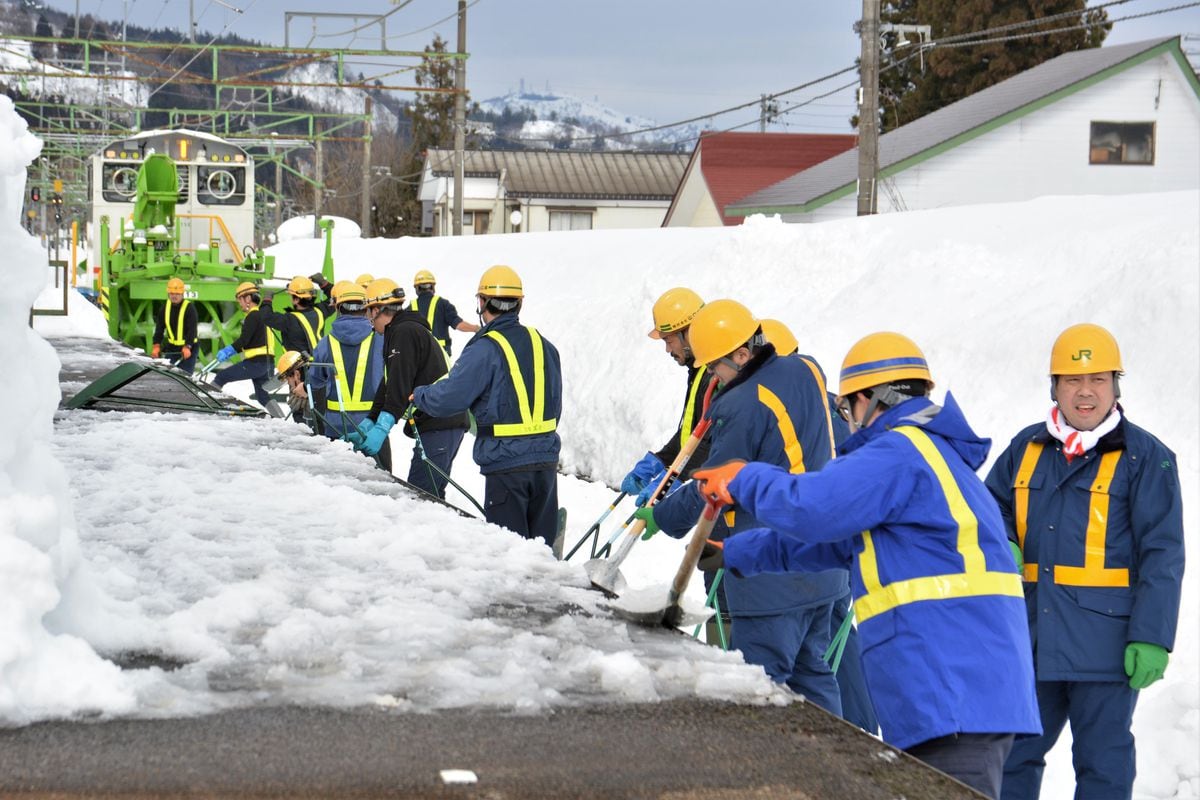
(646, 607)
(604, 573)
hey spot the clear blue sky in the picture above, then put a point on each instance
(663, 59)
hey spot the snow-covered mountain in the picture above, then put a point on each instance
(551, 119)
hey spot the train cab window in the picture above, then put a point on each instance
(221, 186)
(119, 183)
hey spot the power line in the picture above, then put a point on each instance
(199, 52)
(722, 112)
(1066, 29)
(1030, 22)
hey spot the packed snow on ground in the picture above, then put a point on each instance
(278, 568)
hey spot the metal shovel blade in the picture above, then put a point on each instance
(652, 606)
(605, 575)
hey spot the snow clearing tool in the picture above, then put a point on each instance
(604, 573)
(594, 531)
(646, 607)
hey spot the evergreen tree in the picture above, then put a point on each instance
(431, 116)
(920, 84)
(43, 51)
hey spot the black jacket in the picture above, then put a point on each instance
(411, 358)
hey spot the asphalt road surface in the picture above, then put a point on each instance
(681, 749)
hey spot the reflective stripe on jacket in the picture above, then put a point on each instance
(1102, 537)
(936, 590)
(175, 334)
(347, 397)
(482, 380)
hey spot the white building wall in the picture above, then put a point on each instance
(1046, 152)
(694, 205)
(606, 215)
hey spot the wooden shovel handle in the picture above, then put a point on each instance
(691, 556)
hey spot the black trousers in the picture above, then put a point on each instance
(976, 759)
(525, 502)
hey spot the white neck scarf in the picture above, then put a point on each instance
(1076, 443)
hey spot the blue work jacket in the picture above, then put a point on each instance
(482, 380)
(941, 619)
(338, 387)
(775, 411)
(1102, 537)
(441, 315)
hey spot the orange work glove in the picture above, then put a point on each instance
(714, 481)
(187, 352)
(155, 351)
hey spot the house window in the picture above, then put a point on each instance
(570, 220)
(480, 221)
(1121, 143)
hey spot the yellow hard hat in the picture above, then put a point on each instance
(364, 279)
(882, 358)
(719, 328)
(383, 292)
(424, 276)
(287, 362)
(778, 334)
(1084, 349)
(674, 311)
(175, 286)
(244, 288)
(348, 291)
(500, 281)
(300, 286)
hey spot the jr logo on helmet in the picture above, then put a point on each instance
(1082, 355)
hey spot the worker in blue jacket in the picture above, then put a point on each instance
(346, 390)
(1093, 508)
(439, 313)
(939, 604)
(510, 378)
(852, 683)
(769, 409)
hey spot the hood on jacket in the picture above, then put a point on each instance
(946, 421)
(351, 330)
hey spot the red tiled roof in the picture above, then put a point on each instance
(737, 164)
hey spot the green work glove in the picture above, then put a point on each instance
(646, 514)
(1018, 556)
(1144, 663)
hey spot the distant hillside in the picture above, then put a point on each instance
(58, 66)
(522, 119)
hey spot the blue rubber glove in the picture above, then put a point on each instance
(1144, 663)
(645, 494)
(225, 353)
(643, 473)
(646, 514)
(355, 438)
(378, 434)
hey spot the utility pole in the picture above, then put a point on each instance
(76, 19)
(365, 212)
(768, 109)
(460, 115)
(192, 21)
(868, 108)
